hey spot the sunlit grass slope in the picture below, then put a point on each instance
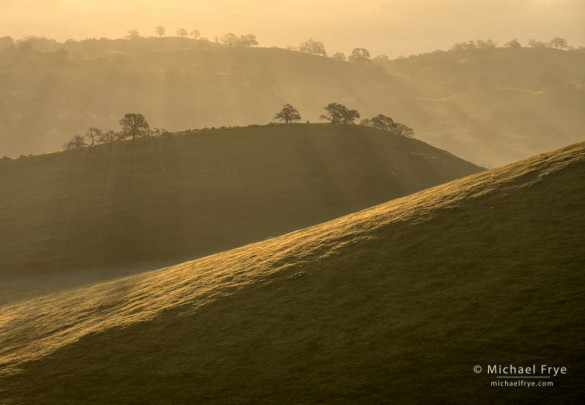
(186, 196)
(397, 305)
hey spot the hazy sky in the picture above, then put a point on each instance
(392, 27)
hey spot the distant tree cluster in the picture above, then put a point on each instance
(479, 44)
(340, 56)
(231, 39)
(132, 34)
(339, 114)
(557, 43)
(134, 127)
(313, 47)
(92, 138)
(360, 55)
(514, 44)
(181, 32)
(385, 123)
(336, 114)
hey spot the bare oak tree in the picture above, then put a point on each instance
(288, 114)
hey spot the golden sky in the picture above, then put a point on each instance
(392, 27)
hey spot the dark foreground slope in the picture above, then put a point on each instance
(397, 305)
(182, 197)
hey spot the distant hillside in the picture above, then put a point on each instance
(51, 95)
(489, 106)
(173, 199)
(397, 304)
(497, 105)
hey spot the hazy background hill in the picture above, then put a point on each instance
(497, 105)
(170, 199)
(398, 304)
(489, 106)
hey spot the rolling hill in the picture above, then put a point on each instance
(394, 304)
(73, 217)
(489, 106)
(497, 105)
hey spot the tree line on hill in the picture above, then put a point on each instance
(556, 43)
(310, 46)
(339, 114)
(135, 127)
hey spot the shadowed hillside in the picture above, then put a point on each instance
(397, 304)
(489, 106)
(174, 198)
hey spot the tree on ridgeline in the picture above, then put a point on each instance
(231, 39)
(340, 56)
(360, 55)
(195, 34)
(134, 126)
(403, 130)
(339, 114)
(132, 34)
(160, 31)
(109, 138)
(533, 43)
(76, 143)
(559, 43)
(93, 136)
(313, 47)
(485, 44)
(86, 142)
(380, 121)
(461, 46)
(385, 123)
(288, 114)
(182, 32)
(514, 44)
(478, 44)
(248, 40)
(6, 43)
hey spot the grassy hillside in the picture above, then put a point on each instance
(397, 305)
(488, 106)
(168, 200)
